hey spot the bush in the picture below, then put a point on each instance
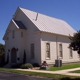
(16, 65)
(36, 65)
(2, 62)
(26, 66)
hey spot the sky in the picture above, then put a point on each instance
(67, 10)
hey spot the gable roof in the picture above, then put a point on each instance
(48, 24)
(18, 24)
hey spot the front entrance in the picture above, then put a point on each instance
(13, 55)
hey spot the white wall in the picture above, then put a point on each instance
(24, 43)
(17, 42)
(31, 37)
(50, 38)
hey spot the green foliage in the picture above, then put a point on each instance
(7, 59)
(2, 48)
(24, 57)
(26, 66)
(17, 65)
(47, 75)
(76, 71)
(66, 66)
(36, 65)
(75, 42)
(2, 51)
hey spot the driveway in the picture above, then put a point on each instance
(14, 76)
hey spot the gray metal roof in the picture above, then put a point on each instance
(19, 24)
(49, 24)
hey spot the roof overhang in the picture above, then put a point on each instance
(52, 33)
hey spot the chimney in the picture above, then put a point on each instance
(36, 17)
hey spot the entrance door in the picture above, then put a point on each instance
(13, 55)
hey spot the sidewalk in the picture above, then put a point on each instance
(63, 72)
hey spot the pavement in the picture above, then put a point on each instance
(63, 72)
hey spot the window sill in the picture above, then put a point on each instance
(71, 57)
(47, 58)
(60, 57)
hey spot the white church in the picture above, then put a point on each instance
(41, 37)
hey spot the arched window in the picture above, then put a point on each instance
(71, 53)
(47, 50)
(60, 51)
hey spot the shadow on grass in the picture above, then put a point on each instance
(67, 78)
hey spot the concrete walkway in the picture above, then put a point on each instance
(63, 72)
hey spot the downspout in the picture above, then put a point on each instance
(57, 46)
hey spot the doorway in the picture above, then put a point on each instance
(13, 55)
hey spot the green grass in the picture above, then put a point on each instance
(33, 73)
(67, 66)
(76, 71)
(54, 76)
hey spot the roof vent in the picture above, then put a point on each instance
(36, 17)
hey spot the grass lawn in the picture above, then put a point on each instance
(77, 71)
(66, 66)
(54, 76)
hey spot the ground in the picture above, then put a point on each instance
(62, 72)
(14, 76)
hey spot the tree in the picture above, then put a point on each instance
(24, 57)
(2, 49)
(75, 42)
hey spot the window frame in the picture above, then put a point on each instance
(21, 34)
(60, 51)
(70, 53)
(48, 50)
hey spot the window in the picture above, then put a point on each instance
(21, 34)
(13, 34)
(60, 51)
(71, 54)
(32, 51)
(47, 50)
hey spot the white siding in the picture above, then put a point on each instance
(16, 42)
(53, 51)
(31, 37)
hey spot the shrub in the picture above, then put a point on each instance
(16, 65)
(36, 65)
(24, 57)
(26, 66)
